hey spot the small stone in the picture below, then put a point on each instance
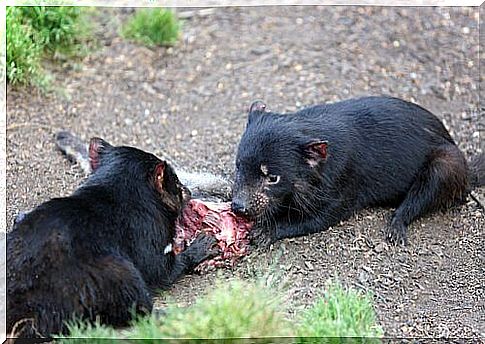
(380, 247)
(259, 50)
(309, 265)
(363, 277)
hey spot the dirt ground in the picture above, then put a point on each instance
(190, 101)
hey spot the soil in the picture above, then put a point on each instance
(190, 101)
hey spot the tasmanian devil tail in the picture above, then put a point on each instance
(201, 184)
(477, 170)
(74, 148)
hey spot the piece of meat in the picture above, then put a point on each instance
(217, 219)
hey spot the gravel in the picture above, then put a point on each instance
(190, 101)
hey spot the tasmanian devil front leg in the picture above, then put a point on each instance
(202, 248)
(325, 219)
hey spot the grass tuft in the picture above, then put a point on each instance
(152, 26)
(234, 309)
(34, 32)
(86, 333)
(56, 28)
(340, 313)
(23, 54)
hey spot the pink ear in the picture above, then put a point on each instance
(317, 151)
(96, 146)
(257, 106)
(159, 176)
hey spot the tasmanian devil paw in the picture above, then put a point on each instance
(203, 247)
(260, 236)
(396, 233)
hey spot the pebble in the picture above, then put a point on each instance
(380, 247)
(259, 50)
(309, 265)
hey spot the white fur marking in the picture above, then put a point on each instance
(312, 163)
(264, 169)
(167, 249)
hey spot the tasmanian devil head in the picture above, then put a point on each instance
(148, 175)
(278, 160)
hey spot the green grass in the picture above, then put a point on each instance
(23, 53)
(233, 310)
(83, 333)
(239, 309)
(152, 26)
(340, 313)
(37, 32)
(58, 29)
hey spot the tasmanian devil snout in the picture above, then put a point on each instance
(239, 207)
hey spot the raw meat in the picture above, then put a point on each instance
(217, 219)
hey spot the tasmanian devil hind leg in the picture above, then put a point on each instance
(121, 291)
(441, 182)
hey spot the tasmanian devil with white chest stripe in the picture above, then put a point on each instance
(303, 172)
(99, 253)
(206, 210)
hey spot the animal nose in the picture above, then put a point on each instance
(238, 207)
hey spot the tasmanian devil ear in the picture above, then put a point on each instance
(257, 106)
(255, 110)
(96, 147)
(158, 176)
(316, 151)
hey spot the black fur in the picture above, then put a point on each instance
(99, 252)
(334, 159)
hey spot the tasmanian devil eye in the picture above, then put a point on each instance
(272, 179)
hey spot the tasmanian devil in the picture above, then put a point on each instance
(99, 253)
(303, 172)
(207, 211)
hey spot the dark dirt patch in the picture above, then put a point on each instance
(190, 101)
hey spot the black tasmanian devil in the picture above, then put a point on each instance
(303, 172)
(98, 253)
